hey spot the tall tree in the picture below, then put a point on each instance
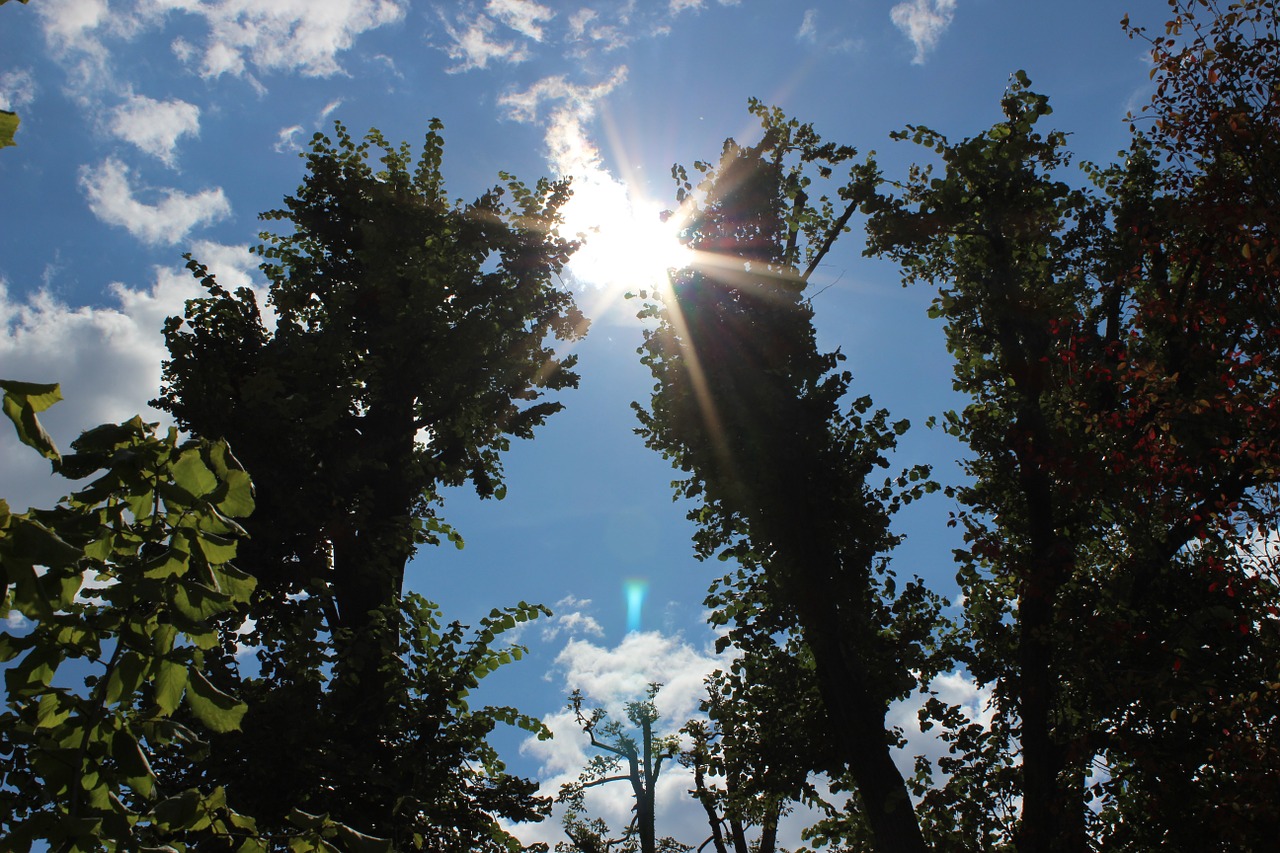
(1121, 364)
(755, 414)
(412, 339)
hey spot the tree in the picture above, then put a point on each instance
(411, 342)
(1121, 366)
(124, 578)
(748, 407)
(1118, 348)
(644, 753)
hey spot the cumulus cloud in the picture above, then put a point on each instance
(473, 47)
(924, 22)
(17, 88)
(106, 358)
(523, 16)
(609, 677)
(112, 199)
(303, 36)
(808, 27)
(572, 619)
(155, 126)
(953, 688)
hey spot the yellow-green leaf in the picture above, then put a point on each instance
(220, 712)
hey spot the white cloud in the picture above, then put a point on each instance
(287, 139)
(608, 678)
(155, 126)
(584, 25)
(107, 359)
(572, 619)
(15, 621)
(303, 36)
(808, 27)
(580, 100)
(578, 22)
(112, 199)
(473, 48)
(678, 6)
(953, 688)
(923, 21)
(523, 16)
(17, 88)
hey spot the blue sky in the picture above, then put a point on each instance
(156, 127)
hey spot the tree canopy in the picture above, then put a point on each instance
(413, 337)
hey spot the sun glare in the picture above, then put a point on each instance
(626, 244)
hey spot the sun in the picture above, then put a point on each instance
(627, 245)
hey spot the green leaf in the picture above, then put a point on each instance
(192, 475)
(358, 842)
(51, 710)
(235, 496)
(216, 549)
(170, 682)
(125, 678)
(8, 125)
(220, 712)
(22, 401)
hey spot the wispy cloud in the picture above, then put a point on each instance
(112, 199)
(17, 88)
(524, 106)
(523, 16)
(808, 27)
(474, 47)
(924, 22)
(155, 126)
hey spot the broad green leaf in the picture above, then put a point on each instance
(199, 603)
(235, 583)
(133, 763)
(192, 475)
(22, 400)
(235, 496)
(170, 681)
(178, 812)
(172, 563)
(220, 712)
(216, 549)
(51, 710)
(8, 127)
(40, 546)
(125, 677)
(358, 842)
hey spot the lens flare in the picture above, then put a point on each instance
(634, 590)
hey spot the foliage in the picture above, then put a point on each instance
(1117, 343)
(779, 461)
(1120, 363)
(644, 753)
(412, 341)
(8, 127)
(124, 578)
